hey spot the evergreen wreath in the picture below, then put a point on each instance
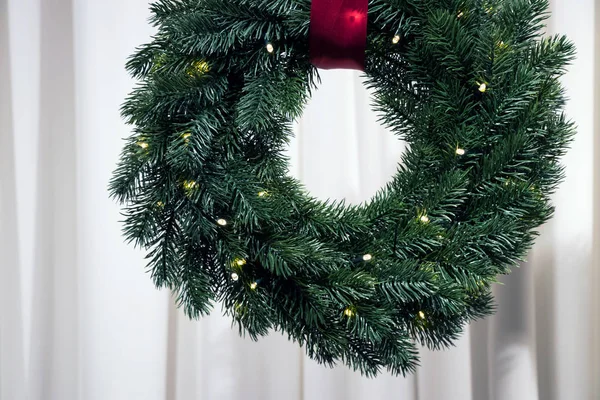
(471, 85)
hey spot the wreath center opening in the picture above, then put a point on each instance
(351, 154)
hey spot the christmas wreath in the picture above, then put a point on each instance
(471, 85)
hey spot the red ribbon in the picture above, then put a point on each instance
(338, 33)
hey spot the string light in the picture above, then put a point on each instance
(264, 193)
(143, 145)
(186, 137)
(199, 68)
(460, 14)
(421, 315)
(367, 257)
(253, 285)
(396, 39)
(235, 276)
(222, 222)
(348, 312)
(270, 47)
(460, 152)
(483, 87)
(190, 185)
(160, 204)
(240, 262)
(424, 219)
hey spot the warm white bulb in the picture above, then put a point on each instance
(460, 14)
(235, 276)
(240, 262)
(460, 152)
(367, 257)
(396, 39)
(263, 194)
(270, 48)
(143, 145)
(424, 219)
(200, 67)
(483, 87)
(253, 285)
(421, 315)
(348, 312)
(190, 185)
(222, 222)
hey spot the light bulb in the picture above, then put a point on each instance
(253, 285)
(263, 194)
(143, 145)
(240, 262)
(222, 222)
(396, 39)
(270, 47)
(190, 185)
(460, 14)
(201, 67)
(460, 152)
(421, 315)
(348, 312)
(424, 219)
(235, 277)
(367, 257)
(483, 87)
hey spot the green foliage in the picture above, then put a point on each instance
(471, 85)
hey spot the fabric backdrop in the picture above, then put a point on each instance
(81, 320)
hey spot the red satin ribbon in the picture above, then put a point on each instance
(338, 33)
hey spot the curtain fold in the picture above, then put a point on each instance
(81, 320)
(12, 363)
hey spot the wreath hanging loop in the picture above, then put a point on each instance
(471, 85)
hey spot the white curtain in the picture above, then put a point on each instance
(81, 320)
